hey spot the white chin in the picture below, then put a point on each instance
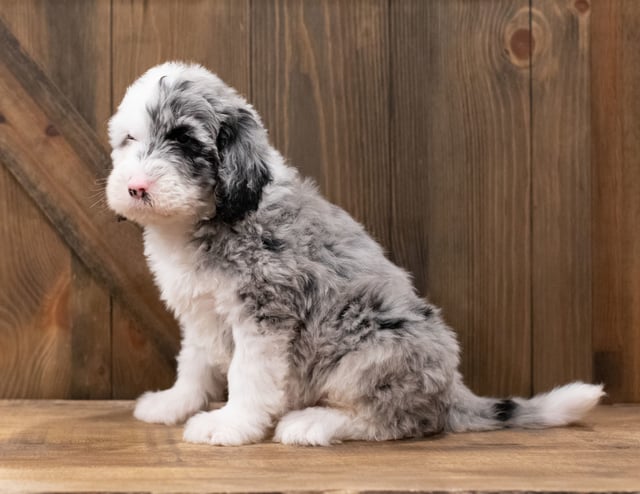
(139, 214)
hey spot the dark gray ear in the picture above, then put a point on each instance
(242, 148)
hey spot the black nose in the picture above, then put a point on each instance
(140, 193)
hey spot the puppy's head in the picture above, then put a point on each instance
(186, 147)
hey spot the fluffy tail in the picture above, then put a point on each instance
(561, 406)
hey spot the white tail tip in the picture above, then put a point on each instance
(561, 406)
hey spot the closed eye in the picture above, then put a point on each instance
(128, 139)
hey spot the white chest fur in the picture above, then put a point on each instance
(202, 298)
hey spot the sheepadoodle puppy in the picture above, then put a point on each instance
(283, 299)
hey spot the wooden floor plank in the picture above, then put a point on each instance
(67, 446)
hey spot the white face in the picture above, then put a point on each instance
(164, 159)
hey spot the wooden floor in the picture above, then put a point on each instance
(66, 446)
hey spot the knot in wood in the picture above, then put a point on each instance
(521, 44)
(51, 131)
(582, 6)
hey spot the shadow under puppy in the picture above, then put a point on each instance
(281, 296)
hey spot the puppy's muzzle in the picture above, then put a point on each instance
(139, 187)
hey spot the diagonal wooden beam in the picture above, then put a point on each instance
(59, 160)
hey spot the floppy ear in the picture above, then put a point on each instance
(242, 148)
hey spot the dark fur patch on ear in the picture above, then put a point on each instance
(234, 203)
(226, 135)
(242, 146)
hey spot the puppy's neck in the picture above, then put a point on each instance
(174, 233)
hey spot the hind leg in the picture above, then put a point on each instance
(318, 426)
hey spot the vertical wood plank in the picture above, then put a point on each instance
(615, 90)
(35, 341)
(320, 81)
(561, 187)
(70, 40)
(90, 310)
(460, 127)
(137, 364)
(41, 131)
(215, 34)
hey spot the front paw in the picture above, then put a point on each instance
(224, 427)
(167, 407)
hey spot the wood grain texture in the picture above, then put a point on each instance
(215, 34)
(42, 27)
(413, 115)
(71, 41)
(138, 366)
(40, 130)
(615, 92)
(329, 114)
(35, 340)
(90, 311)
(99, 447)
(561, 190)
(460, 146)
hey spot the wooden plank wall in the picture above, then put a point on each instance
(461, 177)
(560, 193)
(72, 336)
(489, 146)
(615, 95)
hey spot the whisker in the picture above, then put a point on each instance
(102, 202)
(97, 199)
